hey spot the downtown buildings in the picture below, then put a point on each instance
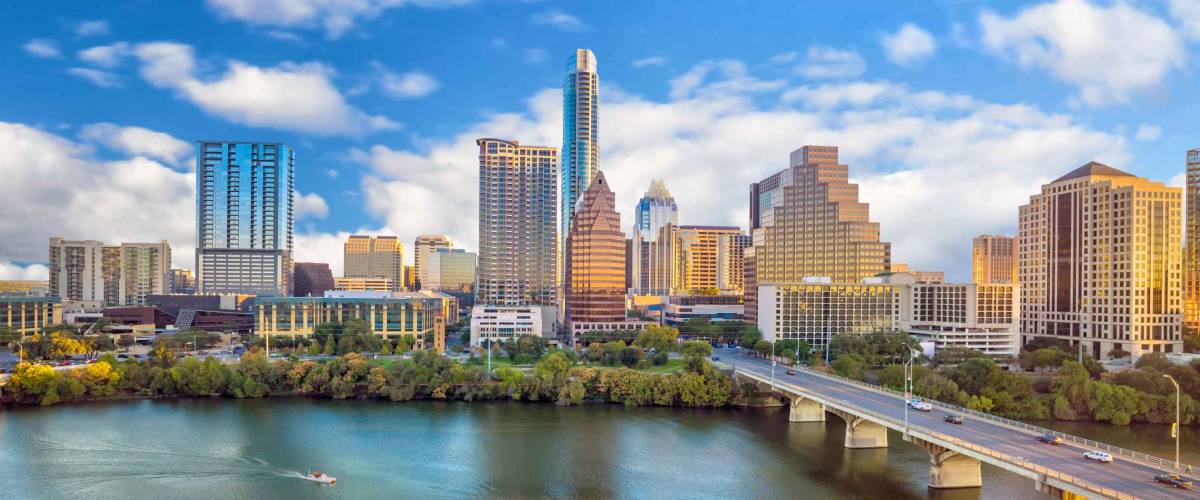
(653, 258)
(374, 258)
(244, 217)
(581, 115)
(595, 270)
(1191, 247)
(994, 259)
(450, 270)
(108, 275)
(311, 279)
(423, 248)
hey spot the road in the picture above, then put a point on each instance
(1129, 477)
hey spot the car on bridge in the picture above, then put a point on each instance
(1173, 480)
(1099, 456)
(1050, 438)
(954, 419)
(919, 405)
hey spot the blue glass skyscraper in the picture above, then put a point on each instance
(244, 217)
(581, 102)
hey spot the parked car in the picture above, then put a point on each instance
(1050, 439)
(716, 358)
(1098, 456)
(1173, 480)
(791, 371)
(954, 419)
(919, 405)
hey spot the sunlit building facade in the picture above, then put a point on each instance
(994, 259)
(701, 260)
(518, 227)
(654, 256)
(450, 269)
(30, 315)
(374, 257)
(424, 247)
(817, 310)
(312, 279)
(1100, 262)
(1191, 248)
(981, 317)
(595, 266)
(388, 317)
(77, 270)
(363, 284)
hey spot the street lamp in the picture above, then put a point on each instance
(908, 378)
(1175, 428)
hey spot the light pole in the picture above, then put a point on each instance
(1175, 428)
(908, 376)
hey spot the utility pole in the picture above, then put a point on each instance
(1175, 428)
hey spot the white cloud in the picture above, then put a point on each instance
(1110, 53)
(290, 96)
(535, 56)
(331, 173)
(334, 17)
(42, 47)
(310, 205)
(1148, 132)
(719, 77)
(559, 20)
(828, 62)
(106, 56)
(785, 57)
(138, 141)
(649, 61)
(31, 272)
(91, 28)
(909, 46)
(99, 78)
(1187, 12)
(408, 85)
(55, 187)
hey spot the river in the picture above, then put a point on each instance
(252, 449)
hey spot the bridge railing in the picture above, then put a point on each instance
(1130, 454)
(1043, 471)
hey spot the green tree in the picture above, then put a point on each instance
(763, 347)
(553, 368)
(749, 337)
(630, 356)
(849, 365)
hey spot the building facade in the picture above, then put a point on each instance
(494, 324)
(982, 317)
(518, 229)
(30, 315)
(312, 279)
(731, 257)
(451, 269)
(374, 257)
(77, 270)
(1100, 263)
(654, 256)
(419, 319)
(994, 259)
(363, 285)
(244, 217)
(702, 263)
(595, 266)
(1191, 247)
(424, 246)
(818, 310)
(183, 281)
(681, 308)
(145, 269)
(581, 114)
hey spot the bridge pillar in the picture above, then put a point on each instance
(950, 469)
(806, 410)
(862, 433)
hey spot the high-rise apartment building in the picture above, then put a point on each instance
(994, 259)
(518, 228)
(109, 275)
(1099, 263)
(312, 279)
(244, 217)
(731, 254)
(1191, 248)
(451, 270)
(379, 257)
(144, 269)
(423, 247)
(581, 106)
(701, 260)
(654, 256)
(77, 270)
(595, 270)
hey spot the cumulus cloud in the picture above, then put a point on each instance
(1109, 53)
(909, 46)
(649, 61)
(828, 62)
(42, 47)
(106, 56)
(56, 187)
(91, 28)
(717, 77)
(99, 78)
(334, 17)
(138, 141)
(409, 85)
(311, 205)
(1148, 132)
(1187, 13)
(31, 272)
(290, 96)
(559, 20)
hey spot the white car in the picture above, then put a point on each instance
(1098, 456)
(920, 405)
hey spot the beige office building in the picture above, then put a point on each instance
(418, 318)
(1099, 262)
(704, 267)
(379, 257)
(1191, 248)
(994, 259)
(363, 285)
(424, 247)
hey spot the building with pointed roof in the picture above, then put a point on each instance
(595, 263)
(654, 263)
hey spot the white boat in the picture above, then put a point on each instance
(320, 477)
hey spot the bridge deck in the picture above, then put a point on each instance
(1125, 476)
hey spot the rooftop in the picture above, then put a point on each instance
(1094, 168)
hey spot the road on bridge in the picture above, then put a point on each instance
(1128, 477)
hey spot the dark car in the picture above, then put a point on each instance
(716, 358)
(791, 371)
(1173, 480)
(954, 419)
(1050, 439)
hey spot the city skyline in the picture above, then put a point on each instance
(706, 110)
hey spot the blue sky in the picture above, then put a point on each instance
(949, 113)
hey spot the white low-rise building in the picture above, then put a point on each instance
(505, 323)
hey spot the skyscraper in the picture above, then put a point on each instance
(518, 230)
(581, 106)
(423, 247)
(994, 260)
(244, 217)
(595, 270)
(654, 258)
(450, 270)
(77, 270)
(145, 269)
(312, 279)
(380, 257)
(701, 259)
(1191, 248)
(731, 253)
(807, 221)
(1099, 263)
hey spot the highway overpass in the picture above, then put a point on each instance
(956, 451)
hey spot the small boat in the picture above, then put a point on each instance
(320, 477)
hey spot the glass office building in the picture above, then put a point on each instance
(581, 103)
(244, 217)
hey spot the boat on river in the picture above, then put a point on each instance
(320, 477)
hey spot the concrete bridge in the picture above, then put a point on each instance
(956, 452)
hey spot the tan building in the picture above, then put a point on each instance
(701, 261)
(518, 227)
(90, 271)
(1099, 262)
(424, 247)
(994, 259)
(363, 284)
(379, 257)
(970, 316)
(30, 315)
(145, 269)
(420, 319)
(1191, 256)
(595, 270)
(930, 276)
